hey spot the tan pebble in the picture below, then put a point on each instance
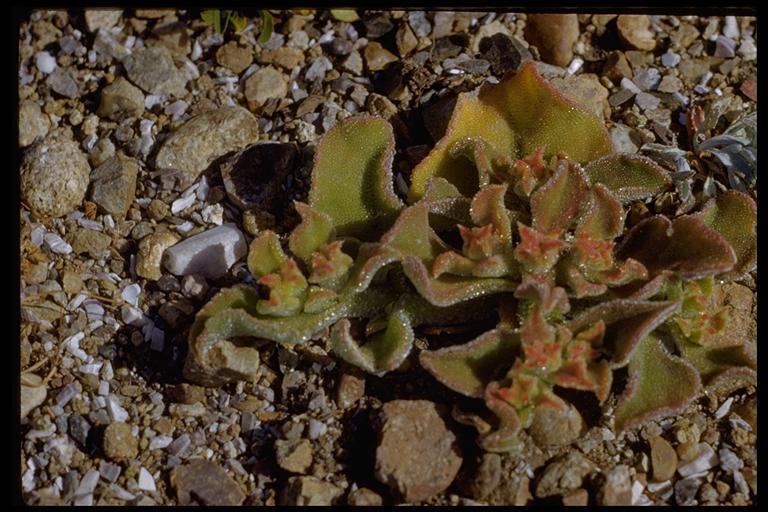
(119, 442)
(150, 254)
(663, 459)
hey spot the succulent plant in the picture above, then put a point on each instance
(518, 210)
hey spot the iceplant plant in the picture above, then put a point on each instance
(530, 185)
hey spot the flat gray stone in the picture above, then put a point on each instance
(152, 69)
(113, 185)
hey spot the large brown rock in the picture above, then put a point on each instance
(204, 482)
(417, 454)
(554, 35)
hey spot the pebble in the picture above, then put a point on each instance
(635, 31)
(294, 456)
(179, 445)
(113, 185)
(120, 99)
(153, 70)
(419, 23)
(578, 498)
(33, 123)
(88, 241)
(617, 489)
(552, 428)
(405, 40)
(364, 497)
(725, 47)
(87, 483)
(340, 46)
(209, 253)
(96, 19)
(309, 491)
(563, 475)
(264, 84)
(54, 176)
(234, 57)
(317, 70)
(119, 443)
(45, 62)
(284, 57)
(109, 472)
(79, 427)
(622, 139)
(663, 459)
(194, 286)
(33, 395)
(704, 459)
(670, 59)
(206, 483)
(417, 455)
(146, 481)
(670, 84)
(554, 35)
(731, 27)
(63, 81)
(586, 91)
(686, 490)
(205, 137)
(350, 388)
(150, 253)
(729, 461)
(505, 53)
(647, 79)
(377, 57)
(646, 101)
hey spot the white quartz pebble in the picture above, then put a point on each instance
(146, 482)
(209, 253)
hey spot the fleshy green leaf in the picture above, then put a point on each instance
(517, 116)
(348, 15)
(660, 384)
(686, 246)
(314, 231)
(468, 368)
(384, 352)
(715, 363)
(266, 26)
(488, 208)
(504, 437)
(734, 215)
(604, 220)
(556, 204)
(627, 322)
(213, 18)
(265, 255)
(629, 177)
(352, 177)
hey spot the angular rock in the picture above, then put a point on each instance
(554, 35)
(88, 241)
(586, 91)
(150, 254)
(119, 443)
(294, 456)
(551, 427)
(32, 393)
(578, 498)
(113, 185)
(309, 491)
(254, 177)
(635, 31)
(234, 57)
(377, 57)
(505, 53)
(264, 84)
(152, 69)
(204, 138)
(33, 123)
(564, 475)
(703, 459)
(364, 497)
(203, 482)
(101, 18)
(350, 388)
(417, 455)
(63, 81)
(617, 488)
(285, 57)
(79, 427)
(663, 459)
(54, 176)
(405, 40)
(209, 253)
(120, 99)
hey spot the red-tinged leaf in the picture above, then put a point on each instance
(468, 368)
(411, 235)
(552, 300)
(627, 322)
(448, 290)
(660, 385)
(579, 285)
(352, 177)
(555, 205)
(734, 215)
(685, 246)
(265, 255)
(519, 115)
(452, 262)
(488, 208)
(537, 252)
(629, 177)
(287, 289)
(479, 242)
(504, 437)
(319, 299)
(384, 352)
(314, 231)
(605, 218)
(329, 264)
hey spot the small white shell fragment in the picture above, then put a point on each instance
(209, 253)
(45, 62)
(115, 410)
(56, 244)
(724, 408)
(90, 369)
(182, 203)
(132, 316)
(37, 235)
(146, 482)
(130, 294)
(159, 442)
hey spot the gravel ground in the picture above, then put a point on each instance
(110, 102)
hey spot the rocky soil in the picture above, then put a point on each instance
(154, 149)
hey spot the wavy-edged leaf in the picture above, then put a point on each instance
(660, 384)
(734, 215)
(469, 368)
(627, 321)
(556, 204)
(315, 230)
(504, 437)
(265, 254)
(352, 177)
(596, 377)
(517, 116)
(604, 220)
(717, 364)
(488, 207)
(686, 246)
(383, 352)
(537, 252)
(448, 290)
(628, 176)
